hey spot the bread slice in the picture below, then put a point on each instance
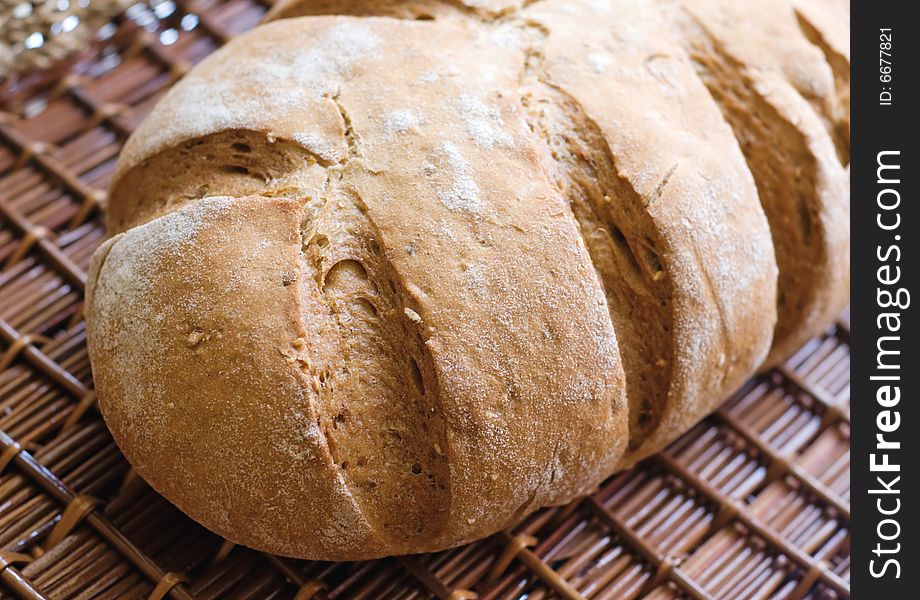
(448, 360)
(776, 91)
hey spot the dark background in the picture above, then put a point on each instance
(876, 128)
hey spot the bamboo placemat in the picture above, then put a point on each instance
(752, 503)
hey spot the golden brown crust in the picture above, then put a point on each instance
(428, 270)
(188, 335)
(404, 253)
(664, 215)
(778, 94)
(826, 24)
(670, 146)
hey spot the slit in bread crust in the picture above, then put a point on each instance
(620, 240)
(233, 163)
(390, 446)
(786, 173)
(838, 115)
(350, 298)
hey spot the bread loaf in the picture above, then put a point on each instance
(385, 277)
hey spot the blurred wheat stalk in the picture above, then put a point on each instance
(35, 34)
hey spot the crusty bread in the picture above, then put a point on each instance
(436, 280)
(386, 285)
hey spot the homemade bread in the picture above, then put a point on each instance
(387, 285)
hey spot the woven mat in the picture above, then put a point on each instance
(752, 503)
